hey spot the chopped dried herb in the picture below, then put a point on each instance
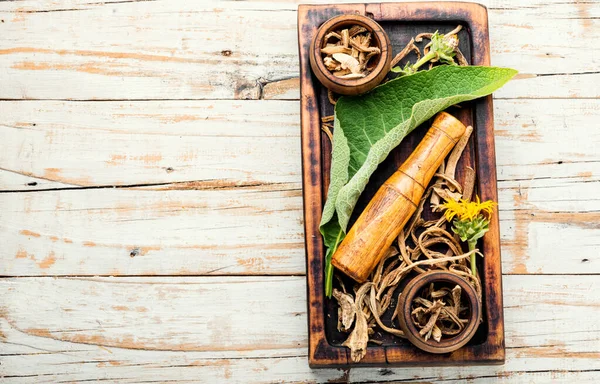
(348, 52)
(438, 312)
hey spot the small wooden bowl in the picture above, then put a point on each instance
(379, 67)
(413, 288)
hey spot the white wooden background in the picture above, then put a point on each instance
(150, 194)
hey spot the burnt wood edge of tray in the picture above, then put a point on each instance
(321, 353)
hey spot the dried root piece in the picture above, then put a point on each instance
(438, 312)
(436, 333)
(346, 312)
(377, 313)
(435, 198)
(358, 339)
(363, 48)
(456, 293)
(326, 128)
(331, 64)
(435, 311)
(348, 52)
(347, 62)
(330, 35)
(425, 35)
(379, 272)
(356, 29)
(345, 38)
(457, 152)
(469, 184)
(330, 50)
(452, 184)
(332, 97)
(447, 194)
(410, 47)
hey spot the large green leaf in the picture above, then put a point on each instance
(368, 127)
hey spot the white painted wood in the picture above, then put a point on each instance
(127, 143)
(238, 330)
(207, 50)
(291, 5)
(253, 230)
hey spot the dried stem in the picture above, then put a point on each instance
(469, 184)
(457, 152)
(410, 47)
(331, 97)
(326, 128)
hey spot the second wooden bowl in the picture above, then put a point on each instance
(413, 288)
(378, 69)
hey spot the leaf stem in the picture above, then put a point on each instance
(472, 245)
(430, 55)
(329, 279)
(329, 266)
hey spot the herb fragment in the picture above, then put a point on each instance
(438, 312)
(358, 339)
(441, 48)
(348, 52)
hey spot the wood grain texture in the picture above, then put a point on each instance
(145, 231)
(213, 330)
(218, 143)
(77, 50)
(548, 176)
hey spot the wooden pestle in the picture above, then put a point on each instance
(395, 202)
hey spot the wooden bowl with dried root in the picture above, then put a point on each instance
(350, 54)
(439, 312)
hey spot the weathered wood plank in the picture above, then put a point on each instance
(212, 329)
(253, 230)
(183, 50)
(245, 142)
(548, 172)
(130, 143)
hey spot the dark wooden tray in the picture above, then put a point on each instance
(401, 21)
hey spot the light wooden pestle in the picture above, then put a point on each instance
(395, 202)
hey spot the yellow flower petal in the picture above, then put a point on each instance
(466, 210)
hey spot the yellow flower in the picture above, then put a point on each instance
(467, 210)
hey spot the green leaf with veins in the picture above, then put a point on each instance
(368, 127)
